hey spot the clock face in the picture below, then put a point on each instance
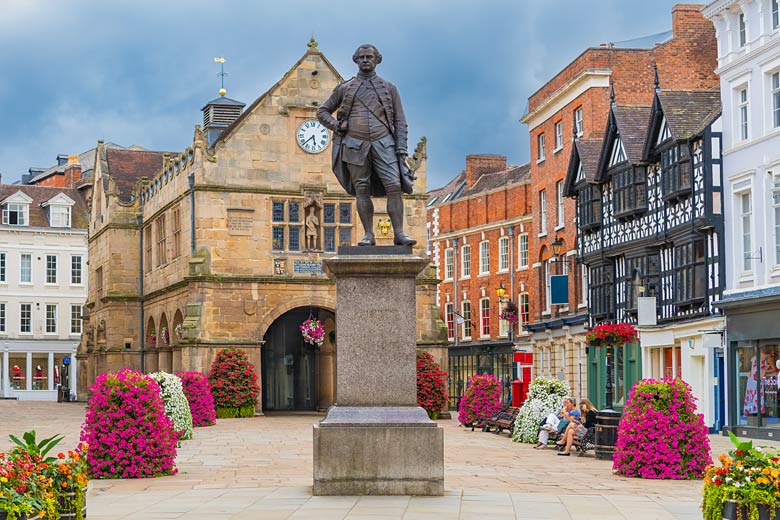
(312, 136)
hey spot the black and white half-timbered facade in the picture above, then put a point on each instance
(650, 232)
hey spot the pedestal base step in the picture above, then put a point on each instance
(402, 456)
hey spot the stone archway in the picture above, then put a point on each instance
(150, 354)
(176, 333)
(296, 375)
(164, 351)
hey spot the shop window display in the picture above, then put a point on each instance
(40, 372)
(17, 363)
(758, 371)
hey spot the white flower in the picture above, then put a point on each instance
(545, 396)
(176, 405)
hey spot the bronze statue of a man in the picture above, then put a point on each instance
(369, 143)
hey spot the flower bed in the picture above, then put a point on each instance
(480, 401)
(176, 405)
(545, 396)
(126, 428)
(196, 389)
(233, 384)
(660, 435)
(431, 389)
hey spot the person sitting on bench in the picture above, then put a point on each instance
(578, 429)
(557, 423)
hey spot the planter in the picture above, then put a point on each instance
(68, 507)
(736, 511)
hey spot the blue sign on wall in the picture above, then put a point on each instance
(559, 289)
(307, 267)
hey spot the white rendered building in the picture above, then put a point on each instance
(43, 286)
(748, 34)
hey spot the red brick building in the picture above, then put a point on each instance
(478, 236)
(577, 99)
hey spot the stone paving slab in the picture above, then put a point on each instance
(262, 468)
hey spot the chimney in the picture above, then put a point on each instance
(476, 165)
(688, 22)
(218, 114)
(72, 171)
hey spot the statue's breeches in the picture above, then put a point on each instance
(380, 160)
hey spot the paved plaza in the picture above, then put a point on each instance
(261, 468)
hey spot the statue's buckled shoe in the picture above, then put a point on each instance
(402, 239)
(368, 240)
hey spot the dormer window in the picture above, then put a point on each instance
(59, 216)
(60, 209)
(16, 214)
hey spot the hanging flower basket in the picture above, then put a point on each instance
(312, 331)
(615, 335)
(509, 313)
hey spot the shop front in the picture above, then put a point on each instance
(753, 365)
(33, 370)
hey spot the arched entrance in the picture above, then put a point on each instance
(297, 375)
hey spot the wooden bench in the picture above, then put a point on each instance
(491, 422)
(506, 419)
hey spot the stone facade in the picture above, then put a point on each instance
(223, 242)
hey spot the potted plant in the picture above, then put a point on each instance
(509, 313)
(312, 331)
(431, 386)
(25, 482)
(744, 486)
(69, 480)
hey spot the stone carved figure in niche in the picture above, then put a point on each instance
(370, 143)
(312, 228)
(312, 205)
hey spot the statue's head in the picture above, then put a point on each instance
(367, 58)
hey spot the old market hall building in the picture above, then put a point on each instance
(221, 245)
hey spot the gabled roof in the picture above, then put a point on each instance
(687, 112)
(585, 152)
(629, 123)
(38, 195)
(311, 50)
(19, 197)
(59, 199)
(127, 166)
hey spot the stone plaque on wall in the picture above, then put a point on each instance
(239, 221)
(280, 266)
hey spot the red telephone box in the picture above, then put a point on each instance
(525, 363)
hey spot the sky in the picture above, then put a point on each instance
(137, 72)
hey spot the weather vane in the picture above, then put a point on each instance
(221, 74)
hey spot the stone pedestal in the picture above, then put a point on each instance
(375, 440)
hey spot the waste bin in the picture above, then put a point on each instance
(606, 433)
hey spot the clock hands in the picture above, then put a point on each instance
(309, 139)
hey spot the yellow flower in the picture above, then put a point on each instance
(766, 471)
(3, 479)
